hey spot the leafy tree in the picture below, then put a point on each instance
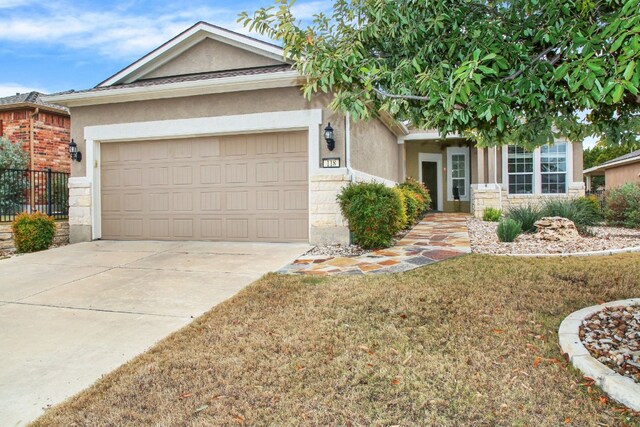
(603, 153)
(12, 183)
(494, 71)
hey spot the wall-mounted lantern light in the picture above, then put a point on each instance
(73, 150)
(328, 136)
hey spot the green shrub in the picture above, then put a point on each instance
(412, 204)
(508, 229)
(594, 202)
(33, 232)
(622, 206)
(491, 214)
(580, 211)
(403, 218)
(374, 212)
(526, 216)
(421, 191)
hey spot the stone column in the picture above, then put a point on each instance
(80, 220)
(326, 222)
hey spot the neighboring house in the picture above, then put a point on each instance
(616, 172)
(209, 137)
(42, 128)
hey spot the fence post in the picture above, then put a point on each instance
(49, 191)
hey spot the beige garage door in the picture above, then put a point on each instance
(235, 188)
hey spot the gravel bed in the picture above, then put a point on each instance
(484, 240)
(613, 337)
(336, 250)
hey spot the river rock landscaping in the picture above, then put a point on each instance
(484, 240)
(613, 337)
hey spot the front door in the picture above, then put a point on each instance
(430, 180)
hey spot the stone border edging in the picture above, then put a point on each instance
(603, 252)
(618, 387)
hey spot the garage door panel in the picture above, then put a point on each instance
(244, 187)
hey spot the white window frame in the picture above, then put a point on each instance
(566, 171)
(537, 174)
(451, 151)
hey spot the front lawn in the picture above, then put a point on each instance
(469, 341)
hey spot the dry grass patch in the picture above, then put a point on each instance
(470, 341)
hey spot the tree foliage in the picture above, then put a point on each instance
(495, 71)
(12, 183)
(601, 153)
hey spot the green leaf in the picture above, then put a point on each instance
(617, 93)
(628, 72)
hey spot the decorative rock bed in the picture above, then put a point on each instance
(612, 336)
(620, 388)
(336, 250)
(484, 240)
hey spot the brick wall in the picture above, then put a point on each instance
(51, 137)
(52, 134)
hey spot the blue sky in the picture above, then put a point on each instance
(75, 44)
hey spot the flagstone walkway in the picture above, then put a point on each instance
(437, 237)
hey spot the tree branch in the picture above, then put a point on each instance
(535, 59)
(386, 94)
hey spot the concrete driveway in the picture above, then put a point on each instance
(71, 314)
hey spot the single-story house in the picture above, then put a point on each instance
(209, 137)
(616, 172)
(42, 128)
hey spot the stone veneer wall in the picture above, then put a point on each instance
(6, 235)
(327, 223)
(484, 196)
(79, 210)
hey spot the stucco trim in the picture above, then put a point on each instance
(309, 120)
(432, 157)
(426, 136)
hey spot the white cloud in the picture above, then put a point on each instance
(12, 4)
(9, 89)
(118, 34)
(306, 11)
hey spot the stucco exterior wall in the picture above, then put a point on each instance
(578, 162)
(375, 150)
(620, 175)
(226, 104)
(211, 55)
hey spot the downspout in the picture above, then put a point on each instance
(32, 132)
(32, 136)
(495, 176)
(347, 147)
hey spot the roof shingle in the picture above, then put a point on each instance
(33, 97)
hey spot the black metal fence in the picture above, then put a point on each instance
(600, 194)
(23, 190)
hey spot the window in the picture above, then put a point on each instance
(553, 168)
(520, 170)
(458, 173)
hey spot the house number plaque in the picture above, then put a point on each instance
(331, 162)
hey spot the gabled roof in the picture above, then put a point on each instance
(31, 100)
(185, 40)
(631, 157)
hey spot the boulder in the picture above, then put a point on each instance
(555, 228)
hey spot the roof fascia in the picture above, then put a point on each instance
(178, 89)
